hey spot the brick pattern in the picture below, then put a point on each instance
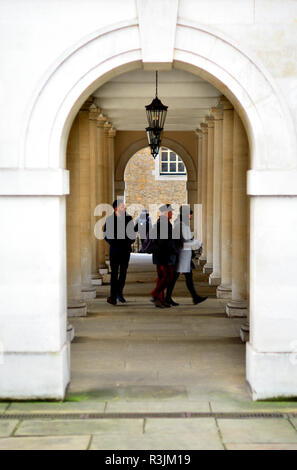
(142, 188)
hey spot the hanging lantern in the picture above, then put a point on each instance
(156, 114)
(154, 140)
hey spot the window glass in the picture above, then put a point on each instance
(171, 163)
(164, 167)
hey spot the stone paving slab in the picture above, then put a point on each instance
(64, 407)
(201, 432)
(165, 406)
(7, 427)
(3, 407)
(158, 441)
(232, 405)
(261, 446)
(78, 427)
(257, 431)
(45, 443)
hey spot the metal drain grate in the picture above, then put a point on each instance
(182, 415)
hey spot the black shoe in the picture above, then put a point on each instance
(171, 302)
(121, 298)
(111, 301)
(198, 300)
(166, 304)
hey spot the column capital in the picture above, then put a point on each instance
(87, 104)
(101, 120)
(226, 103)
(112, 132)
(107, 126)
(204, 128)
(217, 112)
(209, 121)
(93, 112)
(198, 132)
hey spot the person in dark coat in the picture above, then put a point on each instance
(183, 236)
(119, 232)
(164, 255)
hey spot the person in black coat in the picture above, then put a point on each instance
(119, 232)
(164, 255)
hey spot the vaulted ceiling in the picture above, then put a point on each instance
(188, 97)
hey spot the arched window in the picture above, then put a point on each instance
(171, 163)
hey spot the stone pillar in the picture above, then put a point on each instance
(245, 327)
(215, 277)
(224, 291)
(106, 171)
(198, 215)
(237, 307)
(100, 186)
(209, 235)
(76, 305)
(204, 128)
(192, 198)
(93, 114)
(88, 291)
(111, 135)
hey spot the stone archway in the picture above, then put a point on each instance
(273, 155)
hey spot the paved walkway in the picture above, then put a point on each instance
(145, 378)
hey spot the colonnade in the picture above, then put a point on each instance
(223, 160)
(90, 159)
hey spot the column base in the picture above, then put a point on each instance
(106, 279)
(35, 375)
(202, 261)
(88, 293)
(96, 280)
(70, 333)
(237, 308)
(103, 271)
(224, 292)
(214, 280)
(245, 333)
(208, 268)
(76, 308)
(271, 375)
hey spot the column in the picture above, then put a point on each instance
(237, 307)
(111, 135)
(209, 235)
(225, 289)
(93, 114)
(204, 129)
(215, 277)
(88, 291)
(198, 215)
(106, 165)
(100, 187)
(192, 198)
(76, 304)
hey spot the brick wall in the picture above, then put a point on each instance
(142, 188)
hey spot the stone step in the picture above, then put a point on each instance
(151, 276)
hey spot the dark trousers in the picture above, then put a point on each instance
(118, 265)
(165, 275)
(189, 283)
